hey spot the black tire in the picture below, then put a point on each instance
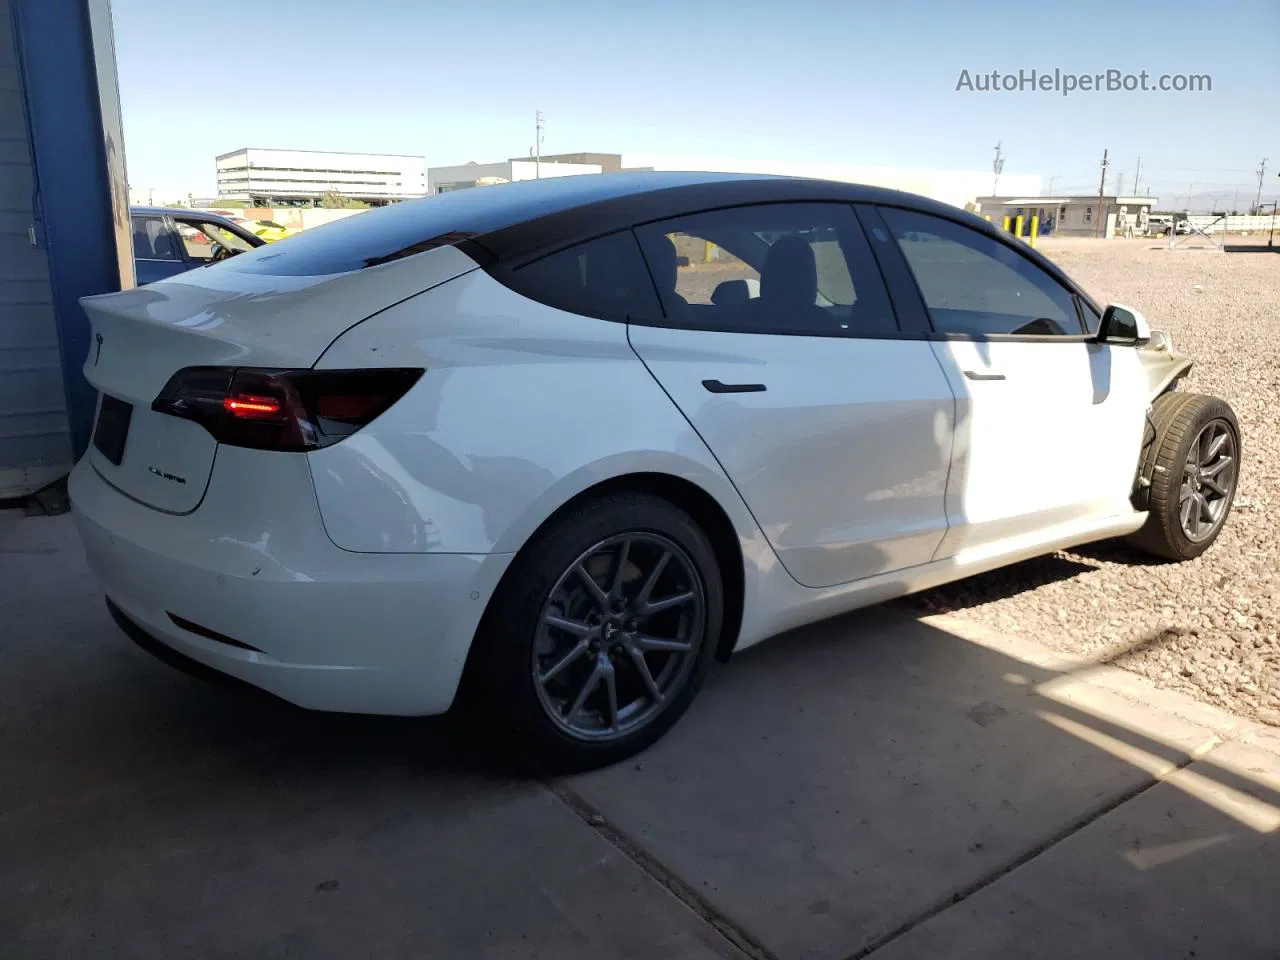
(502, 688)
(1178, 419)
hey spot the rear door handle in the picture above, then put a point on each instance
(975, 375)
(715, 386)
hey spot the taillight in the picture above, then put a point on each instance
(287, 410)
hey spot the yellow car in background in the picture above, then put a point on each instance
(268, 230)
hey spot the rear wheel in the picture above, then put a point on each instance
(601, 633)
(1194, 465)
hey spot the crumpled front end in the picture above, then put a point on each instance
(1162, 365)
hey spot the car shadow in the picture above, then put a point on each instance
(830, 790)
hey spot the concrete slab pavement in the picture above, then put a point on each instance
(842, 785)
(877, 785)
(1186, 869)
(145, 814)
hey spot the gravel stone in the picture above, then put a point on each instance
(1207, 627)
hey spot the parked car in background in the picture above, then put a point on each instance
(268, 230)
(169, 241)
(499, 443)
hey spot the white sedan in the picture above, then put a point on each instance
(559, 444)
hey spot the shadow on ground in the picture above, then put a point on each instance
(870, 784)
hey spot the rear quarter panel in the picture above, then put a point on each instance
(522, 408)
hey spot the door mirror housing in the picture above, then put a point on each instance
(1122, 325)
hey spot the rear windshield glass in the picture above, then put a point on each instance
(377, 236)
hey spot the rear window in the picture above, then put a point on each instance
(383, 234)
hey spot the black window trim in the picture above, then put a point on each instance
(934, 334)
(906, 301)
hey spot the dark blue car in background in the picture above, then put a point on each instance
(167, 241)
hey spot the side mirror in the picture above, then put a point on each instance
(1121, 325)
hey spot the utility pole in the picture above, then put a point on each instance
(537, 145)
(1051, 181)
(1262, 172)
(1235, 200)
(1137, 174)
(997, 167)
(1120, 184)
(1102, 189)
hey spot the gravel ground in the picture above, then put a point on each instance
(1209, 627)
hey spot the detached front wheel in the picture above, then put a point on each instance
(1193, 465)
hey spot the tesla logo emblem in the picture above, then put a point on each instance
(98, 355)
(166, 476)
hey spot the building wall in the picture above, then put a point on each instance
(309, 174)
(35, 438)
(462, 176)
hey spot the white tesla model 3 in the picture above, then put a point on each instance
(569, 440)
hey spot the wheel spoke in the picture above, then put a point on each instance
(1184, 514)
(624, 553)
(592, 682)
(1206, 511)
(646, 675)
(642, 598)
(600, 598)
(579, 649)
(574, 628)
(1215, 446)
(657, 644)
(1216, 468)
(611, 691)
(1185, 492)
(1214, 485)
(666, 603)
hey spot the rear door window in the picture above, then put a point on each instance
(152, 240)
(786, 268)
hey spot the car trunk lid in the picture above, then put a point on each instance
(222, 318)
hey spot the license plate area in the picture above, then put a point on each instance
(112, 431)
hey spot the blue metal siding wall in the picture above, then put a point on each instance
(81, 207)
(35, 439)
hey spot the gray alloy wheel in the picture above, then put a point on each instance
(1192, 468)
(1208, 481)
(620, 632)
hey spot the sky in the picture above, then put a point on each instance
(832, 81)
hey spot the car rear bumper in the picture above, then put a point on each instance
(250, 586)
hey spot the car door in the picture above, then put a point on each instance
(157, 252)
(780, 345)
(1049, 422)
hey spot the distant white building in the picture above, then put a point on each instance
(464, 175)
(1078, 216)
(271, 178)
(949, 186)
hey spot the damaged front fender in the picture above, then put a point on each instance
(1162, 366)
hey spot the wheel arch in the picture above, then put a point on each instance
(698, 502)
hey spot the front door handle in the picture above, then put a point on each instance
(715, 386)
(975, 375)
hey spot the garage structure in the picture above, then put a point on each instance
(63, 227)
